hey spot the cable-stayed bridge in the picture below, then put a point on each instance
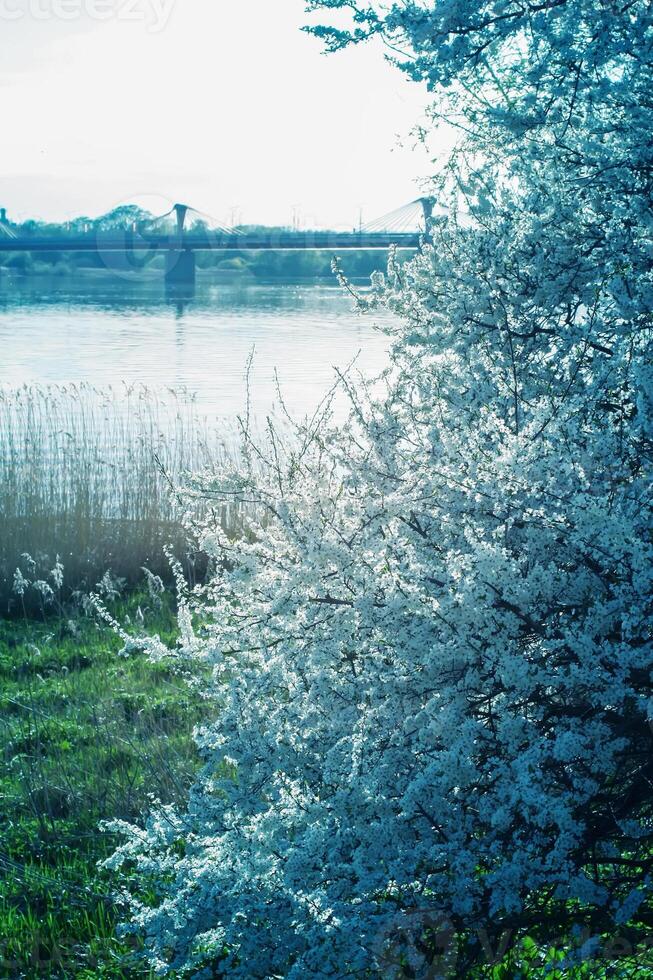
(183, 231)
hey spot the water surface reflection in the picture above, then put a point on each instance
(103, 329)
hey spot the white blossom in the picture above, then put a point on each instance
(432, 650)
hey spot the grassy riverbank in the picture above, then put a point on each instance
(268, 264)
(87, 736)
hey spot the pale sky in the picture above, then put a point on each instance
(222, 104)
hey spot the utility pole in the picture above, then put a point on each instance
(235, 216)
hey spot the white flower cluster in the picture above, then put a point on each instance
(433, 651)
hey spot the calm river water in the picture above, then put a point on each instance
(103, 329)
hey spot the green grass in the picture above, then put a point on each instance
(87, 735)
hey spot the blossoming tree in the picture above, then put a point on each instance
(432, 654)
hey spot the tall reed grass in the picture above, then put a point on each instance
(84, 474)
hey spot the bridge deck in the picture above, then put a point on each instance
(203, 242)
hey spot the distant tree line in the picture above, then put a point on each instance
(273, 264)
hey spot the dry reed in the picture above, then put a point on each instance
(81, 477)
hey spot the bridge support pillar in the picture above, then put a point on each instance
(180, 266)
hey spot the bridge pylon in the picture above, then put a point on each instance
(181, 210)
(428, 206)
(181, 266)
